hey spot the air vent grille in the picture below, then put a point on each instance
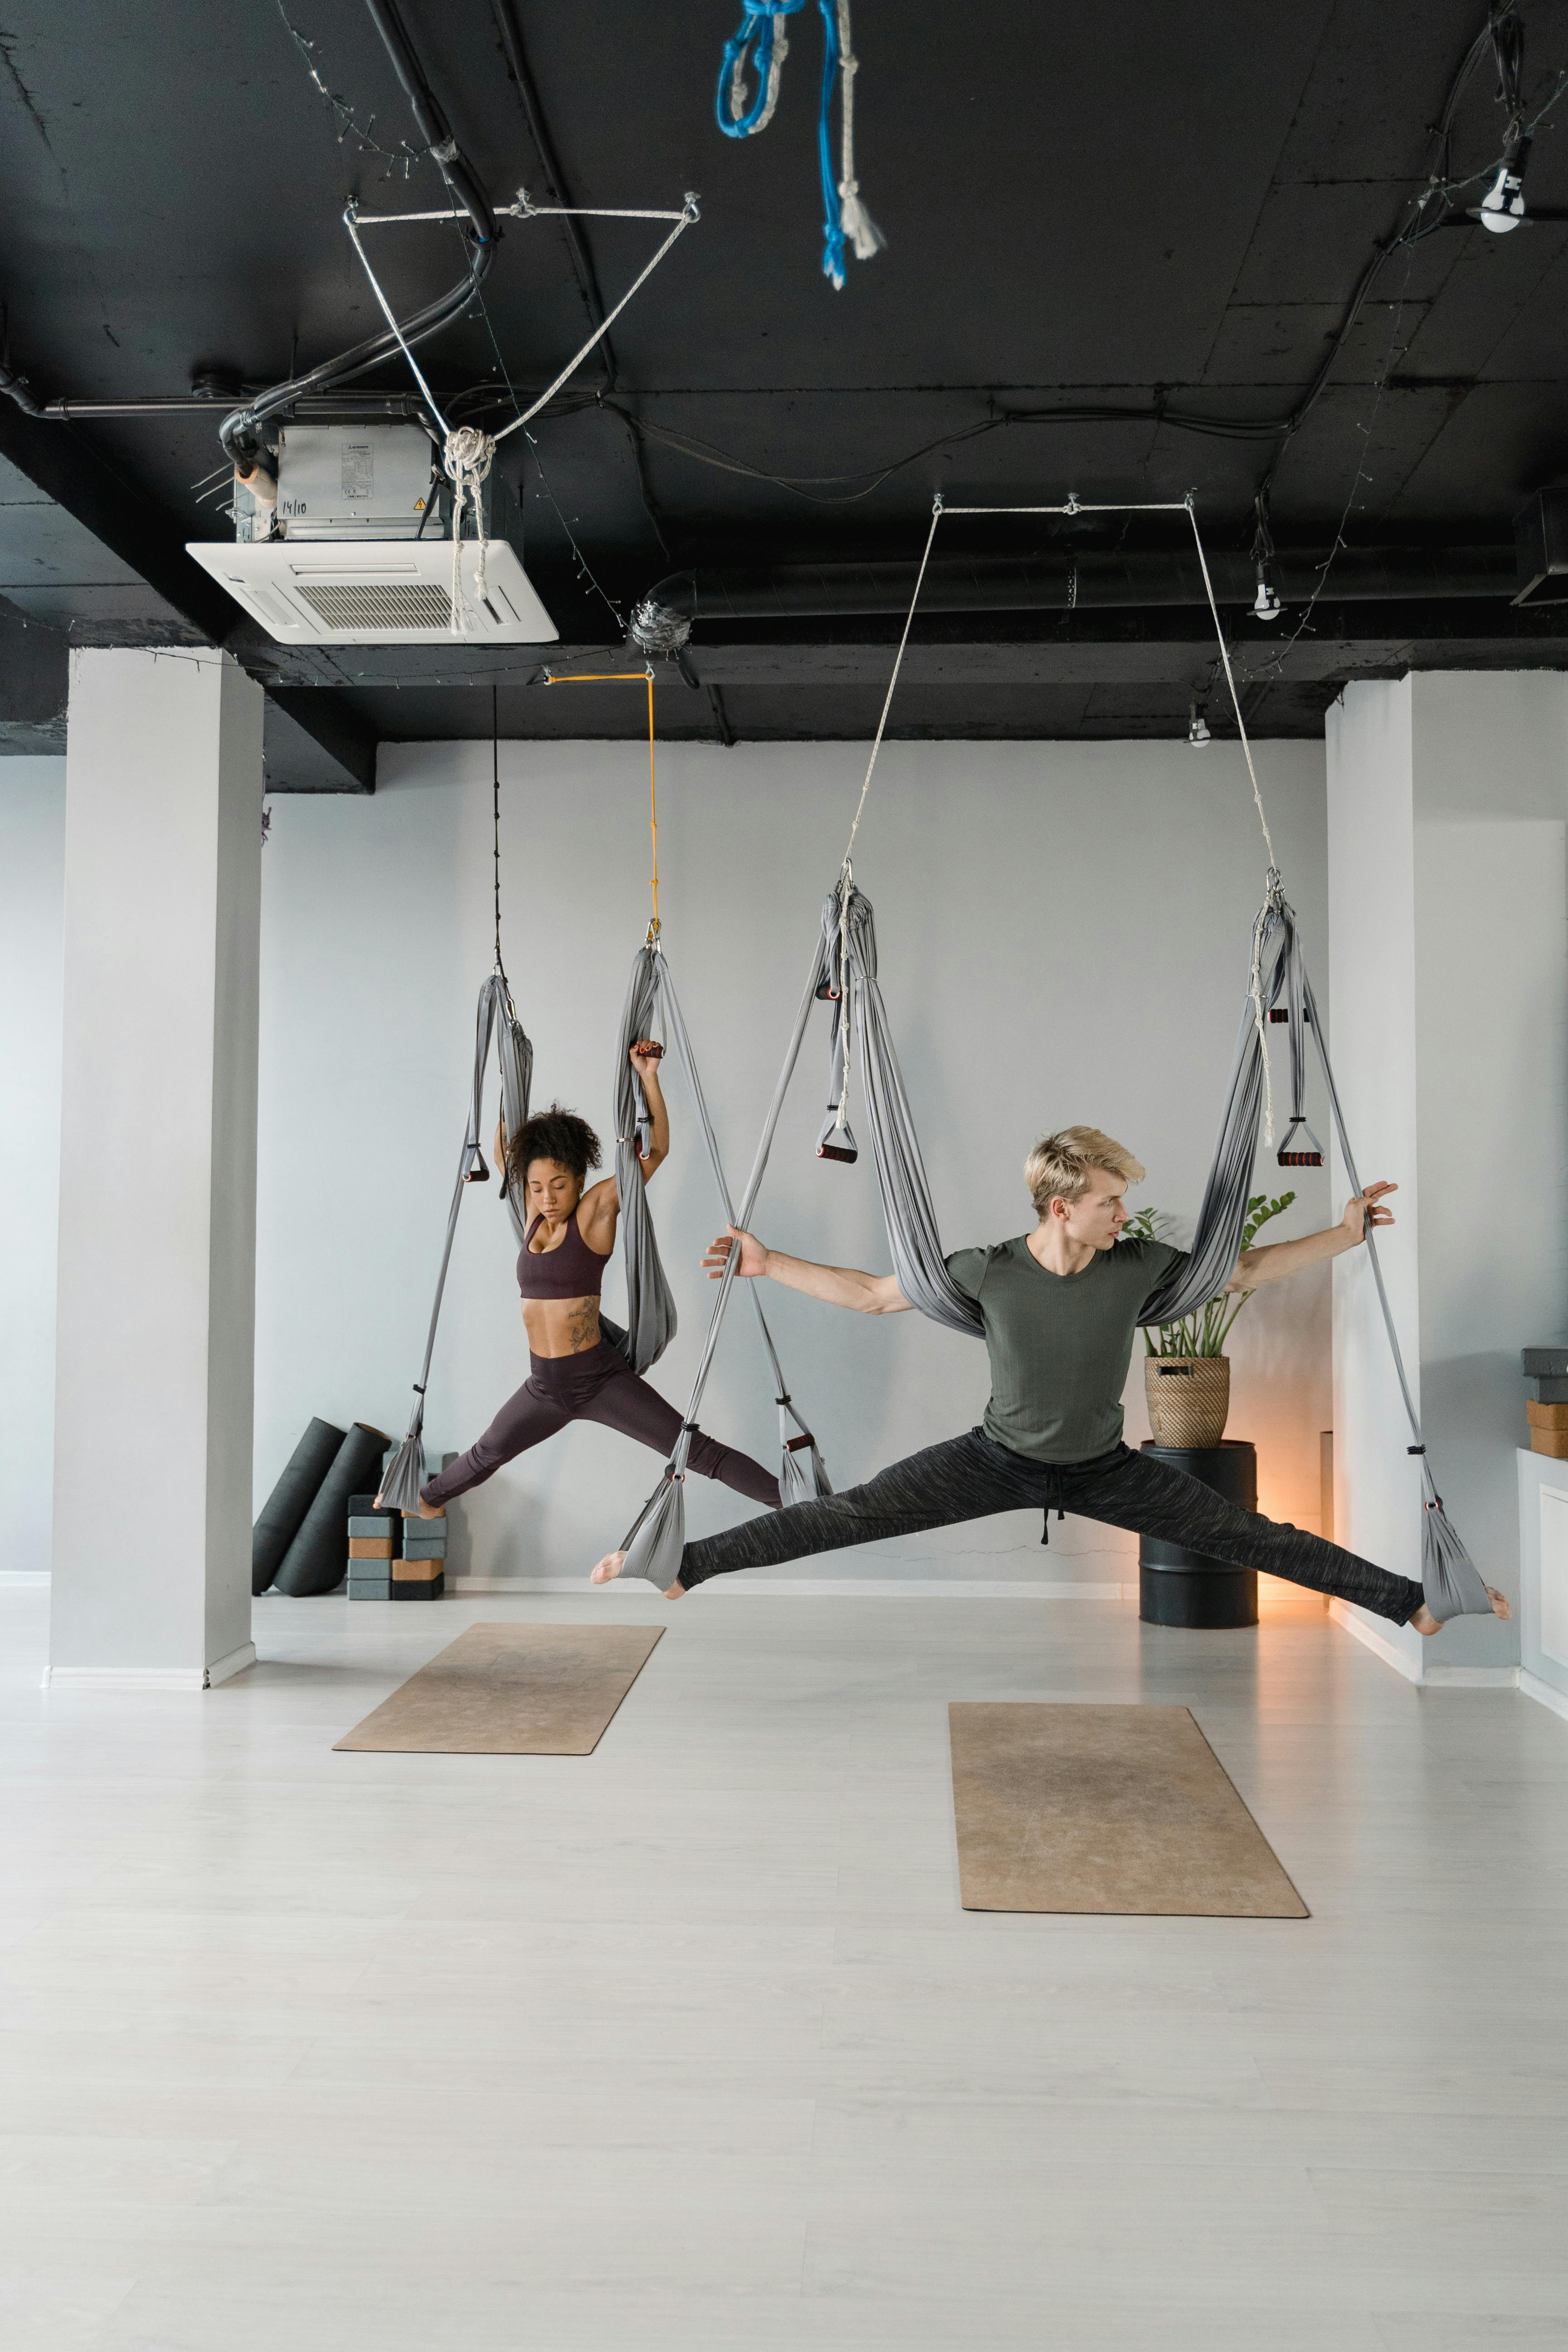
(377, 604)
(379, 593)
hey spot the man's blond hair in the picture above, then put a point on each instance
(1060, 1165)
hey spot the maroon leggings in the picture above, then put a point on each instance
(597, 1385)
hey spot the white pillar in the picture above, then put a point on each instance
(157, 1238)
(1448, 963)
(32, 857)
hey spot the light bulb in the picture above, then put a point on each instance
(1502, 206)
(1198, 733)
(1265, 604)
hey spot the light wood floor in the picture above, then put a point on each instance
(688, 2045)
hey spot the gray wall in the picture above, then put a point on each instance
(1064, 934)
(32, 872)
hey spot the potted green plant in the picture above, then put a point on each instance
(1186, 1372)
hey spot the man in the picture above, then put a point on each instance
(1060, 1308)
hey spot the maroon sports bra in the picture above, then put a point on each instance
(570, 1270)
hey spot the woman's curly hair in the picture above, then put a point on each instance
(554, 1134)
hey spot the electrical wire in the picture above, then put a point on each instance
(241, 432)
(349, 125)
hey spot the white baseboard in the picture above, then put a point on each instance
(152, 1678)
(1436, 1676)
(819, 1587)
(1472, 1678)
(1544, 1693)
(224, 1670)
(23, 1579)
(1378, 1643)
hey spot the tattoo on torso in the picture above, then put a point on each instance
(583, 1325)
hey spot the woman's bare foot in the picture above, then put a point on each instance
(1425, 1623)
(610, 1567)
(422, 1508)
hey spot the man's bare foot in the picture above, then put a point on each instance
(610, 1567)
(1425, 1623)
(427, 1510)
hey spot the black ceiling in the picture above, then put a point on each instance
(1155, 205)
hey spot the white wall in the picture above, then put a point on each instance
(1064, 934)
(32, 868)
(1448, 887)
(1373, 1028)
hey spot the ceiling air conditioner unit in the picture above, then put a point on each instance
(340, 557)
(385, 592)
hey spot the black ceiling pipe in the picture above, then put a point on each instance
(1062, 581)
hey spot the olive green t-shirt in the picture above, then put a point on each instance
(1060, 1344)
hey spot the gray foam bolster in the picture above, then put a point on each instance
(283, 1513)
(314, 1560)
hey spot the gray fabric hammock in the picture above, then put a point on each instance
(844, 973)
(650, 1308)
(497, 1019)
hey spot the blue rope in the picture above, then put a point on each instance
(757, 26)
(832, 227)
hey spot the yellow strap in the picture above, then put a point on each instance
(628, 678)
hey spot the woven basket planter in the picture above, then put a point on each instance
(1189, 1398)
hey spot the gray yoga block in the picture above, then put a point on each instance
(1544, 1363)
(371, 1592)
(1544, 1389)
(423, 1547)
(377, 1524)
(283, 1513)
(314, 1560)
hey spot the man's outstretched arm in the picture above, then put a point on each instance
(1254, 1267)
(838, 1285)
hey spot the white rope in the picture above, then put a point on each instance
(936, 515)
(466, 461)
(853, 218)
(1273, 886)
(523, 209)
(683, 221)
(1073, 505)
(775, 75)
(526, 209)
(468, 453)
(1230, 679)
(350, 222)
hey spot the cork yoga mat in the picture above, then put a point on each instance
(511, 1690)
(1111, 1808)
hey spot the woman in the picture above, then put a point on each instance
(575, 1373)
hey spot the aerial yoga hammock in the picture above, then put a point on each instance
(561, 1385)
(844, 971)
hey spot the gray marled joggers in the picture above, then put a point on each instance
(971, 1476)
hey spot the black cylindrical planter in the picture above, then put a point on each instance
(1177, 1587)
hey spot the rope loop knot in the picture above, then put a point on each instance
(466, 461)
